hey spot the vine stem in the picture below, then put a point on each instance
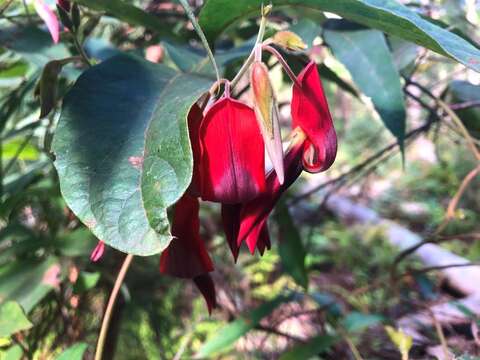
(251, 57)
(111, 302)
(201, 35)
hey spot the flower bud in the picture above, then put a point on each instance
(266, 111)
(289, 41)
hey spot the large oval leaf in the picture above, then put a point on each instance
(385, 15)
(366, 55)
(122, 150)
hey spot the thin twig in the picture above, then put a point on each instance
(111, 302)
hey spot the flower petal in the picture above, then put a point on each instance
(233, 163)
(264, 242)
(206, 286)
(49, 18)
(254, 214)
(186, 256)
(310, 112)
(231, 225)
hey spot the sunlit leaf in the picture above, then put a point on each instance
(74, 352)
(12, 319)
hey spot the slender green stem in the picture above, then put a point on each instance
(201, 35)
(111, 302)
(251, 57)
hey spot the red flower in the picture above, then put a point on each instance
(310, 112)
(313, 149)
(228, 153)
(186, 256)
(232, 153)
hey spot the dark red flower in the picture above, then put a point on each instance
(206, 286)
(313, 148)
(232, 153)
(254, 214)
(186, 256)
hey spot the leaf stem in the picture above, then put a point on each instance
(111, 302)
(246, 64)
(201, 35)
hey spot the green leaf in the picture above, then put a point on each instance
(74, 352)
(386, 15)
(17, 148)
(86, 281)
(356, 321)
(290, 246)
(33, 44)
(235, 330)
(465, 92)
(12, 319)
(307, 29)
(122, 150)
(404, 53)
(27, 282)
(124, 11)
(12, 353)
(366, 56)
(310, 349)
(17, 69)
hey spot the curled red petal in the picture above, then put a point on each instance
(195, 117)
(254, 214)
(49, 18)
(97, 253)
(206, 286)
(310, 112)
(186, 256)
(232, 161)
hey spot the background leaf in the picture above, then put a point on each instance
(74, 352)
(465, 92)
(388, 16)
(310, 349)
(290, 246)
(233, 331)
(27, 282)
(122, 150)
(366, 56)
(12, 319)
